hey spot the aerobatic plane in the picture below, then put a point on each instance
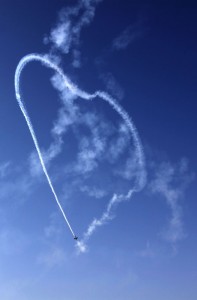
(75, 237)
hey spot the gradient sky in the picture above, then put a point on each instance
(143, 54)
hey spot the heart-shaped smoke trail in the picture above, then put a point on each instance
(141, 175)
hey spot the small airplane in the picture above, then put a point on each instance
(75, 237)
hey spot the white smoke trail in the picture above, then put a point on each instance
(106, 216)
(65, 36)
(19, 69)
(141, 177)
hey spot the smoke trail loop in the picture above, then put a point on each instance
(116, 199)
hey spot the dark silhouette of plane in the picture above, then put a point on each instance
(75, 237)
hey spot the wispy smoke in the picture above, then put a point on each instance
(138, 151)
(128, 36)
(171, 181)
(65, 36)
(4, 169)
(54, 149)
(112, 85)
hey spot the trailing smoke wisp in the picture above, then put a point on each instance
(140, 178)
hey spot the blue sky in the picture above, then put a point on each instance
(135, 218)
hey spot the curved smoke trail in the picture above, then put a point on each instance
(19, 69)
(141, 178)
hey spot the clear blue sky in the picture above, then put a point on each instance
(143, 54)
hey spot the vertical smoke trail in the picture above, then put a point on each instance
(141, 178)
